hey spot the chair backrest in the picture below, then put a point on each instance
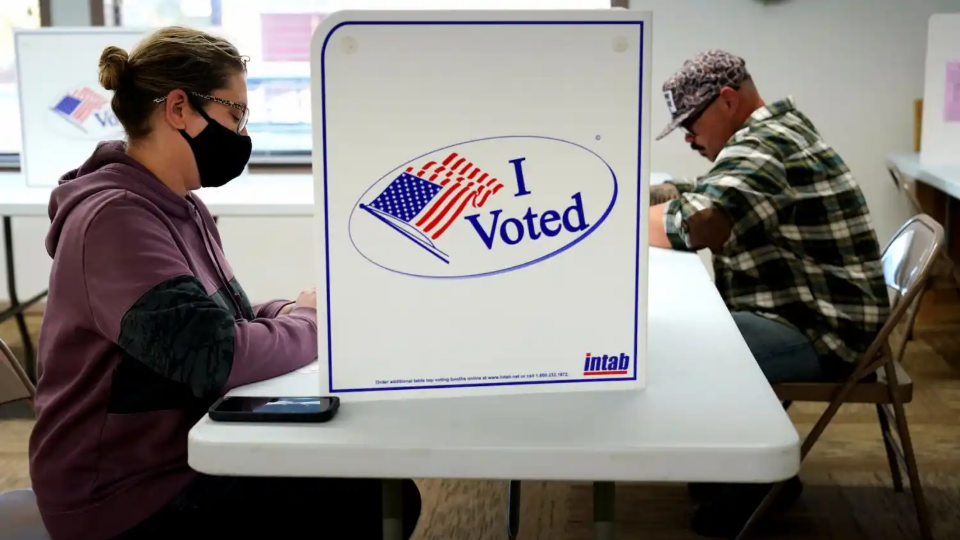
(14, 383)
(907, 261)
(911, 251)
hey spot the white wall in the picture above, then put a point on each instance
(854, 66)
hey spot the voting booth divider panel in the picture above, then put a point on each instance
(480, 192)
(940, 127)
(64, 112)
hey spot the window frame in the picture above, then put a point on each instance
(259, 160)
(10, 161)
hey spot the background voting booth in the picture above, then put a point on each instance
(66, 112)
(930, 178)
(64, 109)
(480, 204)
(940, 137)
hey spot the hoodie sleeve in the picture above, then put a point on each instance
(143, 296)
(271, 309)
(266, 310)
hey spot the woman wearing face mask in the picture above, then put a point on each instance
(146, 324)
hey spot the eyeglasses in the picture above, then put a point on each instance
(244, 110)
(687, 125)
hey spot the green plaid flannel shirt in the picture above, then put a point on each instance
(802, 249)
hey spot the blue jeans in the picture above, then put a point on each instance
(783, 353)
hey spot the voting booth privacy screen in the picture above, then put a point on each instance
(481, 210)
(940, 132)
(63, 109)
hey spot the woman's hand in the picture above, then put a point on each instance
(307, 298)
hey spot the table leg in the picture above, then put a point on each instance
(947, 225)
(392, 509)
(513, 510)
(604, 495)
(16, 308)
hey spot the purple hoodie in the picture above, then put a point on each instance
(145, 327)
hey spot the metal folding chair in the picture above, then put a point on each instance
(907, 263)
(19, 515)
(945, 273)
(14, 382)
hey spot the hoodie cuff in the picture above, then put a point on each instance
(271, 309)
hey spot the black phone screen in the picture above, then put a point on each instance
(287, 405)
(274, 409)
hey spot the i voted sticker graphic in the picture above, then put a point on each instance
(84, 113)
(483, 207)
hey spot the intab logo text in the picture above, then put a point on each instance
(607, 364)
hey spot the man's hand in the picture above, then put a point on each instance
(657, 232)
(662, 193)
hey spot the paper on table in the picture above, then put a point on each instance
(311, 368)
(951, 99)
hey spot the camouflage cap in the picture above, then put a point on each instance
(698, 83)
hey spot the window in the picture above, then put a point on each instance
(13, 14)
(275, 34)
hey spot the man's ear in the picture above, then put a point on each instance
(730, 98)
(176, 109)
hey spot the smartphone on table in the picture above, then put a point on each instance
(274, 409)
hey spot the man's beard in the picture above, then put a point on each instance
(696, 147)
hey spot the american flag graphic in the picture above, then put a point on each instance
(423, 202)
(78, 105)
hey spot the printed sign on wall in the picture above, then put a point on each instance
(951, 101)
(480, 201)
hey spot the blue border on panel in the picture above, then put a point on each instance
(326, 214)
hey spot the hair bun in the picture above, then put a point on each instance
(113, 67)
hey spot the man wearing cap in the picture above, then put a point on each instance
(795, 256)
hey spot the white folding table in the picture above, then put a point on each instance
(707, 415)
(943, 177)
(256, 194)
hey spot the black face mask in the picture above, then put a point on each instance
(221, 153)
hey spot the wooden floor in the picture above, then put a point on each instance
(848, 493)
